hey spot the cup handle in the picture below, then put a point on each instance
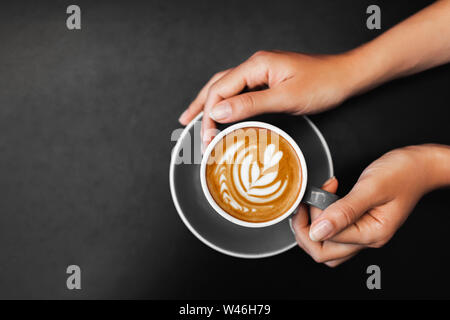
(318, 198)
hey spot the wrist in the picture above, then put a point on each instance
(438, 164)
(364, 69)
(435, 165)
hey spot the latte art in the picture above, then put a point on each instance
(254, 174)
(254, 184)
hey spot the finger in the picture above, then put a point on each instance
(197, 105)
(331, 185)
(326, 251)
(345, 211)
(301, 216)
(300, 221)
(248, 104)
(250, 74)
(320, 251)
(335, 263)
(372, 229)
(208, 130)
(359, 232)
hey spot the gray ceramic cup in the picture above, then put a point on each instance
(308, 194)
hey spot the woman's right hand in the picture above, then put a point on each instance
(379, 203)
(293, 83)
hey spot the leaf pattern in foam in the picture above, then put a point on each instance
(265, 191)
(252, 182)
(245, 168)
(265, 179)
(276, 158)
(271, 158)
(255, 173)
(268, 153)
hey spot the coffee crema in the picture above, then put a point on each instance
(254, 174)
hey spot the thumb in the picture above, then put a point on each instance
(331, 185)
(247, 105)
(343, 212)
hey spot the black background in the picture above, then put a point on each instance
(85, 124)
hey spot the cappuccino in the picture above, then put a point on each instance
(254, 174)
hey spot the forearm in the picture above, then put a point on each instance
(416, 44)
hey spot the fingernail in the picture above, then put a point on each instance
(328, 182)
(320, 230)
(183, 116)
(221, 111)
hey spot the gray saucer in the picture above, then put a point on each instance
(217, 232)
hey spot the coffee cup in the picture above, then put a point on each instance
(255, 175)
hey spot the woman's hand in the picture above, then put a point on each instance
(294, 83)
(299, 83)
(327, 252)
(376, 207)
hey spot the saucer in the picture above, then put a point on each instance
(215, 231)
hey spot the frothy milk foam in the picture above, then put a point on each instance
(254, 174)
